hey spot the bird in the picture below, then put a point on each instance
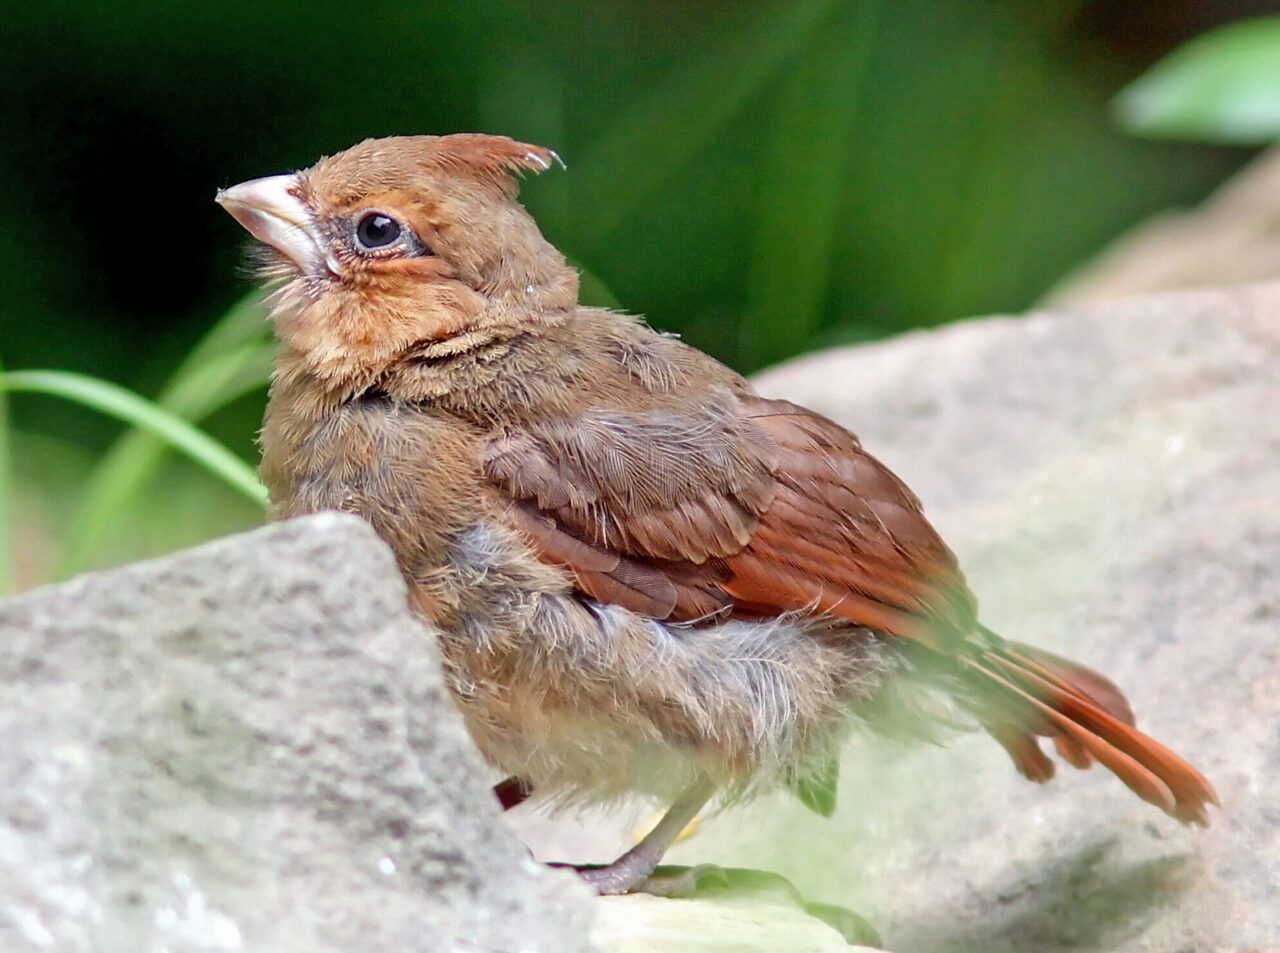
(644, 577)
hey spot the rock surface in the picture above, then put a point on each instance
(1110, 478)
(248, 747)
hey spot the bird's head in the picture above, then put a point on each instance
(402, 240)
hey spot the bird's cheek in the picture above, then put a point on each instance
(416, 299)
(444, 309)
(391, 280)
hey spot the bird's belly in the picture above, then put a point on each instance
(578, 756)
(593, 701)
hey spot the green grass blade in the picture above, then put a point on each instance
(593, 292)
(8, 534)
(245, 323)
(233, 359)
(133, 460)
(126, 406)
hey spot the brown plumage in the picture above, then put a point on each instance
(645, 576)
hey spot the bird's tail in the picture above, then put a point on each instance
(1018, 693)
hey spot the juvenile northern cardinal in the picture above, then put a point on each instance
(646, 578)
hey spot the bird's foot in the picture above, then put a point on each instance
(625, 875)
(634, 871)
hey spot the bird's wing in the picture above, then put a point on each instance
(736, 505)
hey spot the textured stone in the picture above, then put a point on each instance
(249, 747)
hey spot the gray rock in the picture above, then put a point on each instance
(1110, 478)
(249, 747)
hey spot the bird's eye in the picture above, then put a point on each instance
(376, 230)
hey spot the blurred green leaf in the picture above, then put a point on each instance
(127, 406)
(818, 792)
(245, 323)
(856, 929)
(233, 359)
(1223, 86)
(698, 98)
(804, 177)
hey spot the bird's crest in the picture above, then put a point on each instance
(401, 162)
(494, 158)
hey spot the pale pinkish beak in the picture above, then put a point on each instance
(271, 211)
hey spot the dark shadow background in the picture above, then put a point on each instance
(764, 177)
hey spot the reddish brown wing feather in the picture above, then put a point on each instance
(846, 536)
(740, 504)
(659, 589)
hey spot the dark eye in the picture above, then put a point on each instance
(376, 230)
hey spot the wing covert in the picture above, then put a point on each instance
(738, 505)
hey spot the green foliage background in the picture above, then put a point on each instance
(762, 177)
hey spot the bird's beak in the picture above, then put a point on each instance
(271, 211)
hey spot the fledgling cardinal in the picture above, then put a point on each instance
(646, 578)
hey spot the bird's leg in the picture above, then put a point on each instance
(633, 870)
(512, 792)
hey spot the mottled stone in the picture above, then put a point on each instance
(248, 746)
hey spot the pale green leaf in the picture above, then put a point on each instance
(1223, 86)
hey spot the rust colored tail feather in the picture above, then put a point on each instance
(1022, 692)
